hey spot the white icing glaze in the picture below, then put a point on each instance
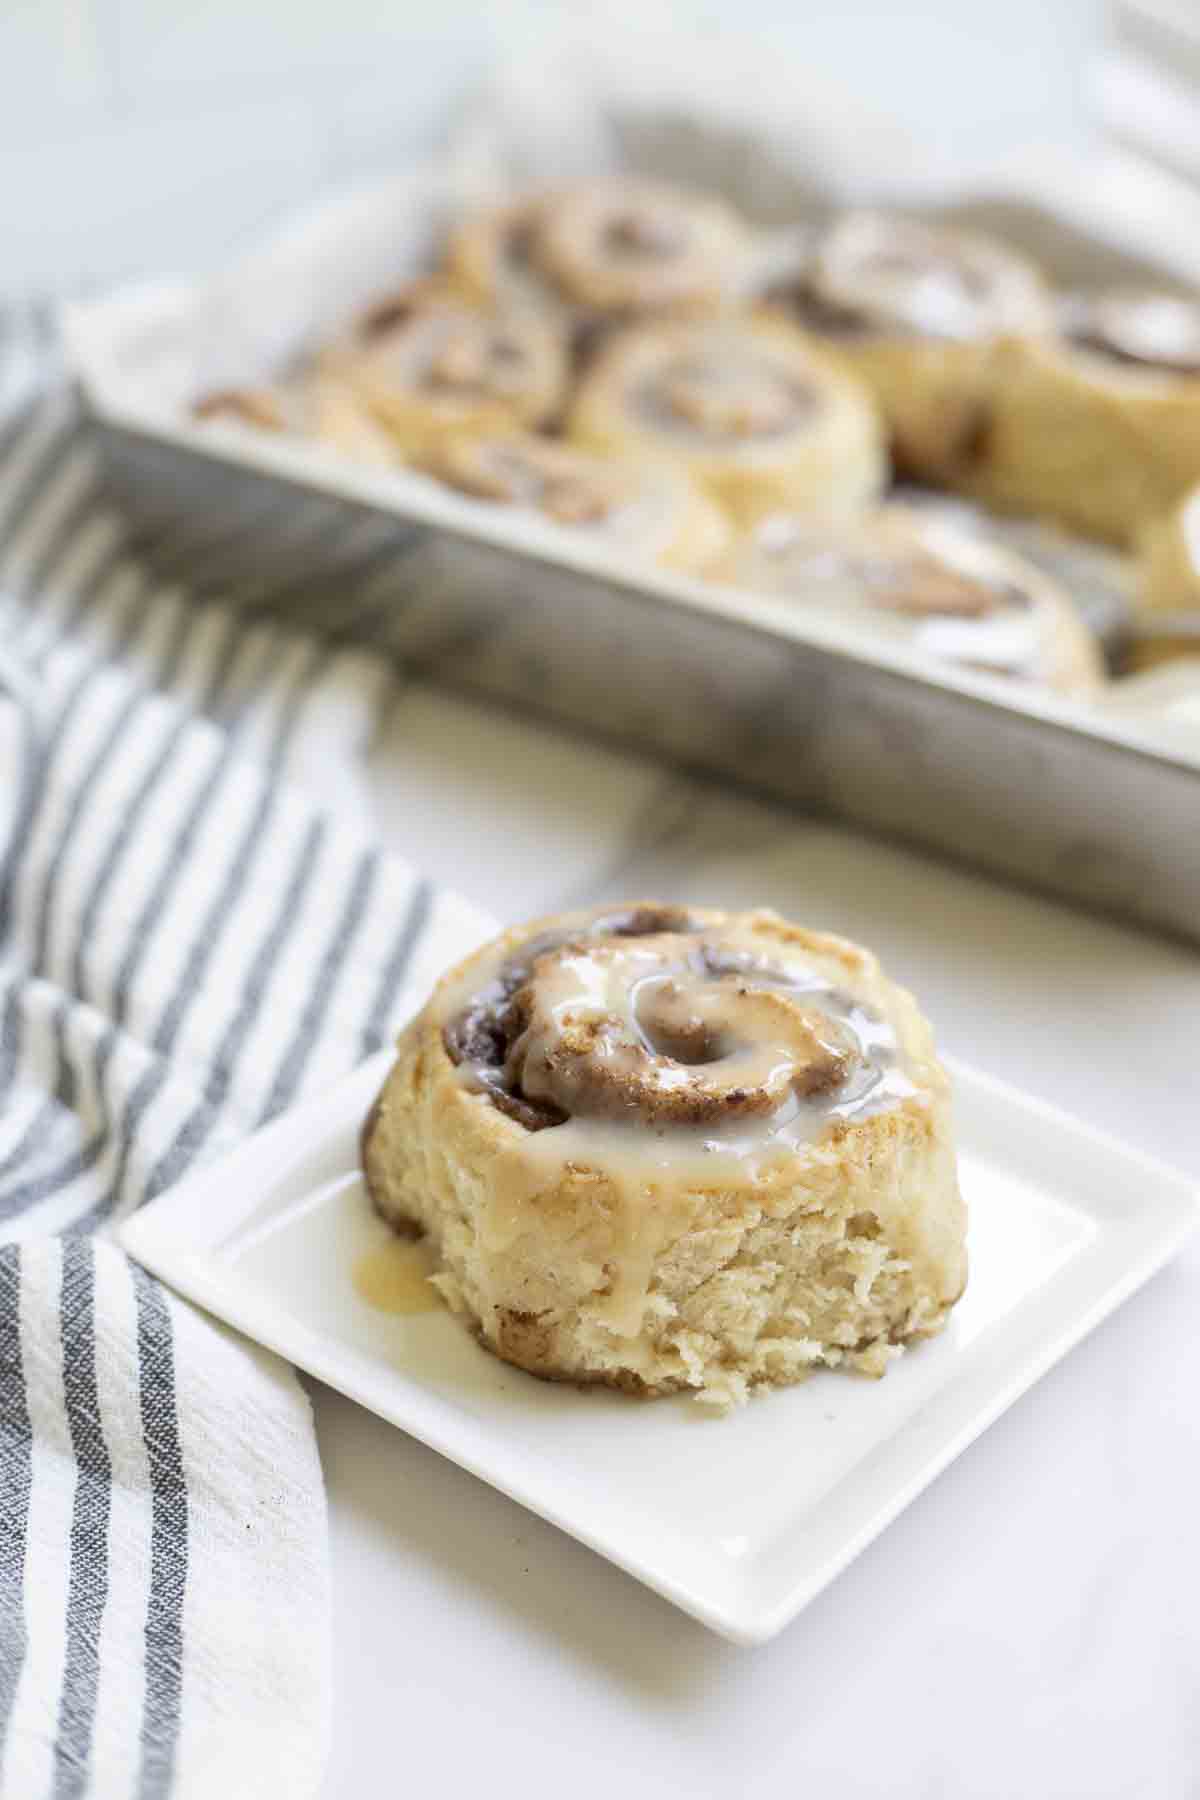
(1153, 330)
(916, 580)
(726, 394)
(896, 274)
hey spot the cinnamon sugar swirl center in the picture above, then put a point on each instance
(733, 397)
(651, 1020)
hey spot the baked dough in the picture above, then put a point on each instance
(1099, 427)
(1169, 567)
(666, 1148)
(424, 361)
(749, 408)
(1168, 582)
(915, 311)
(911, 578)
(650, 511)
(617, 248)
(313, 406)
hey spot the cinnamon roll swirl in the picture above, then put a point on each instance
(424, 361)
(748, 408)
(1097, 427)
(617, 248)
(915, 310)
(314, 407)
(912, 579)
(669, 1148)
(649, 511)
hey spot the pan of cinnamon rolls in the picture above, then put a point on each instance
(636, 367)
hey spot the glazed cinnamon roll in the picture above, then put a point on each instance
(910, 579)
(668, 1148)
(1099, 426)
(616, 248)
(650, 510)
(914, 310)
(314, 407)
(424, 361)
(746, 407)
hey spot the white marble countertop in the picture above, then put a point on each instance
(1029, 1626)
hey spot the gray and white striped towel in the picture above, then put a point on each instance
(190, 941)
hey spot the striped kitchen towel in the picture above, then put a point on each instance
(196, 931)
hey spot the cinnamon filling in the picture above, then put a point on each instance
(924, 586)
(386, 315)
(471, 360)
(817, 313)
(519, 241)
(927, 587)
(644, 234)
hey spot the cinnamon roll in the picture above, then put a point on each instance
(424, 361)
(1097, 427)
(669, 1148)
(911, 579)
(616, 248)
(915, 310)
(748, 408)
(647, 510)
(315, 407)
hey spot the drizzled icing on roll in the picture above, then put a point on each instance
(1152, 331)
(652, 1019)
(878, 274)
(727, 395)
(921, 581)
(567, 485)
(900, 568)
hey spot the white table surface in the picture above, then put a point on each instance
(1030, 1626)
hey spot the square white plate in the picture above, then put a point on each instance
(739, 1520)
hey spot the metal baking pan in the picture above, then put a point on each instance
(1073, 800)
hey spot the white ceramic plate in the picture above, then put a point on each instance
(739, 1520)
